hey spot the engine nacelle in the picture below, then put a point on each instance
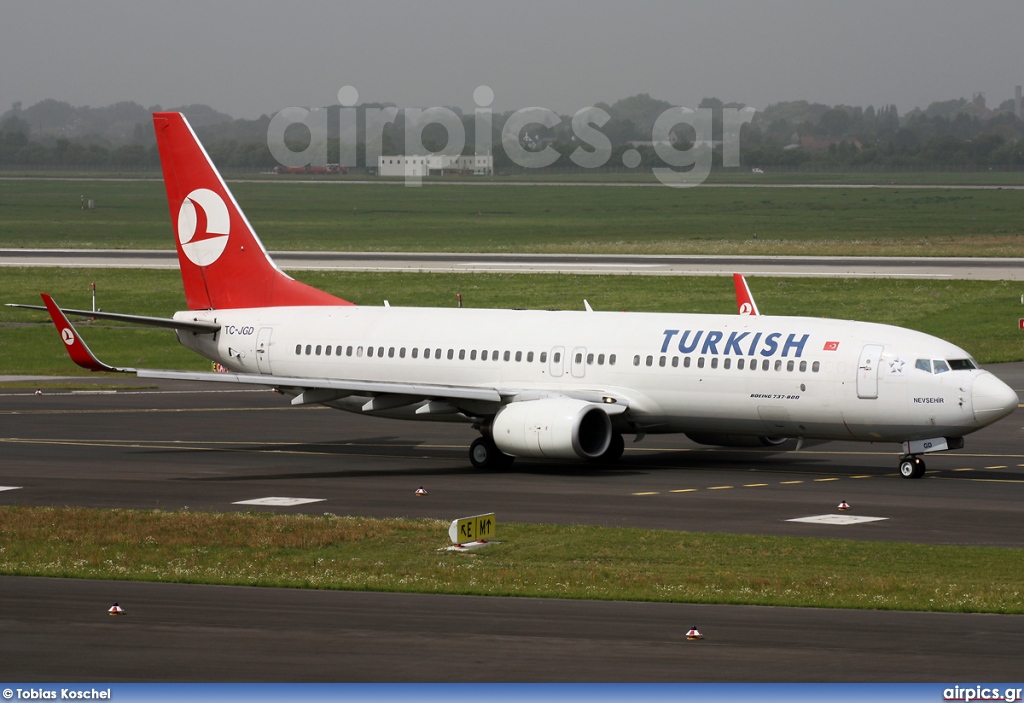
(552, 428)
(735, 440)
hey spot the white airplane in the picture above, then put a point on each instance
(547, 384)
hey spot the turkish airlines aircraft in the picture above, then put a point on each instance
(547, 384)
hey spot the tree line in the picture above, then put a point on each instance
(959, 134)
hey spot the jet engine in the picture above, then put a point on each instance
(552, 428)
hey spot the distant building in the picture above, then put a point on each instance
(434, 165)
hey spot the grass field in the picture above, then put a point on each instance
(531, 560)
(980, 316)
(344, 216)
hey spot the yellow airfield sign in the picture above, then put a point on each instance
(472, 529)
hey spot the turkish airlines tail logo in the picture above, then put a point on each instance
(203, 226)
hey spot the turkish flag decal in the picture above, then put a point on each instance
(831, 346)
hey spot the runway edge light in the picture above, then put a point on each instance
(115, 609)
(843, 505)
(472, 532)
(694, 634)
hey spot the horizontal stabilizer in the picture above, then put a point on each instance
(167, 322)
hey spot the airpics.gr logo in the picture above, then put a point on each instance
(203, 226)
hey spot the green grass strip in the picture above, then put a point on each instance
(546, 561)
(890, 221)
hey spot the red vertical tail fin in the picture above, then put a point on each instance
(223, 262)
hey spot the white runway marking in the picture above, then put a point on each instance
(278, 501)
(9, 488)
(837, 519)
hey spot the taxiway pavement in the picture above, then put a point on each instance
(989, 269)
(181, 445)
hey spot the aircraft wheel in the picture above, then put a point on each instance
(614, 451)
(484, 454)
(912, 467)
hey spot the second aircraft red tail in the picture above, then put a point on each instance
(223, 263)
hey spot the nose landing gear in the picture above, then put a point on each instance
(911, 466)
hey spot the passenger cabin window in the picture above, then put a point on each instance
(543, 357)
(298, 349)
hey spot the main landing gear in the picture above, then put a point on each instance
(911, 466)
(484, 454)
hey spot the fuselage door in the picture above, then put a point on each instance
(263, 349)
(557, 359)
(867, 370)
(578, 363)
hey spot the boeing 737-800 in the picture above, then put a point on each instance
(547, 384)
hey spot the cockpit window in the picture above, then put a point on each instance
(940, 366)
(961, 364)
(924, 365)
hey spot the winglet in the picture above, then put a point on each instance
(77, 348)
(744, 300)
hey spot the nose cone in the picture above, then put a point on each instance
(992, 399)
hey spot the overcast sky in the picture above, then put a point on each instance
(248, 58)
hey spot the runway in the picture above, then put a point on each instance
(179, 445)
(989, 269)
